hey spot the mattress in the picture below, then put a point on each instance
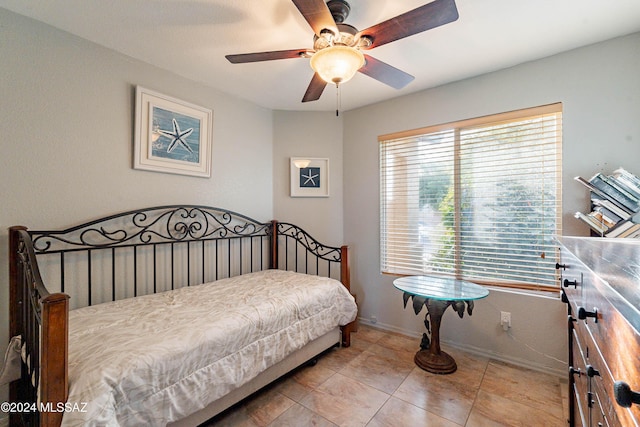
(155, 359)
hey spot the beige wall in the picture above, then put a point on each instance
(66, 120)
(600, 91)
(309, 134)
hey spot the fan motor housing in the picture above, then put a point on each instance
(339, 10)
(346, 37)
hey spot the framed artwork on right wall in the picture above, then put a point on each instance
(309, 177)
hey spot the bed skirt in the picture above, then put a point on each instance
(294, 360)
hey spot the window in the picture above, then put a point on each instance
(479, 199)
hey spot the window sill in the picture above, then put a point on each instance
(549, 294)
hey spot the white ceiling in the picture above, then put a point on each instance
(191, 38)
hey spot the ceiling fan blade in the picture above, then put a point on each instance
(317, 15)
(423, 18)
(266, 56)
(315, 89)
(385, 73)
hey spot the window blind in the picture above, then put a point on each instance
(479, 199)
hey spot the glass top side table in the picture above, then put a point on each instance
(437, 293)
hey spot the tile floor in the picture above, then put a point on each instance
(375, 383)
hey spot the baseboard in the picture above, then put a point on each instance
(538, 367)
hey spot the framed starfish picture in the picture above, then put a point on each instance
(309, 177)
(171, 135)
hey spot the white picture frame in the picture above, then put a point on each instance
(309, 179)
(171, 135)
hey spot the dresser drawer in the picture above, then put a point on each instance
(603, 407)
(579, 383)
(601, 410)
(606, 338)
(610, 344)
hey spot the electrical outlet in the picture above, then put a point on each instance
(505, 319)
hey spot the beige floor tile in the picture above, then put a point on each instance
(292, 389)
(403, 351)
(313, 376)
(345, 402)
(383, 373)
(352, 387)
(299, 416)
(267, 405)
(360, 345)
(236, 416)
(493, 410)
(337, 358)
(397, 413)
(368, 334)
(438, 394)
(564, 393)
(531, 388)
(471, 368)
(400, 342)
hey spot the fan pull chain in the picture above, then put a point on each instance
(338, 100)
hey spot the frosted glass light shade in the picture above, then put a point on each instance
(337, 64)
(301, 163)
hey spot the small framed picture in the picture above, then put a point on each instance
(171, 135)
(309, 177)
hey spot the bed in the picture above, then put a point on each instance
(167, 315)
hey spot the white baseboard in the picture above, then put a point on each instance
(560, 372)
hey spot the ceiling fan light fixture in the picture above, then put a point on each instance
(337, 64)
(301, 163)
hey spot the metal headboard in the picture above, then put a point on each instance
(151, 248)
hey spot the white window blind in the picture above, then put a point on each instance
(479, 199)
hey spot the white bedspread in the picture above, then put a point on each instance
(155, 359)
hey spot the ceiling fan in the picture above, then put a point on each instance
(337, 47)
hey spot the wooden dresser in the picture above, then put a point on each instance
(601, 285)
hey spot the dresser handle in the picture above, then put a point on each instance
(573, 371)
(592, 372)
(568, 283)
(583, 314)
(561, 266)
(624, 396)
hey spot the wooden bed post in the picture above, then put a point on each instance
(345, 278)
(54, 375)
(345, 269)
(53, 381)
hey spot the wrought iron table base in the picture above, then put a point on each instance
(437, 293)
(433, 359)
(441, 363)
